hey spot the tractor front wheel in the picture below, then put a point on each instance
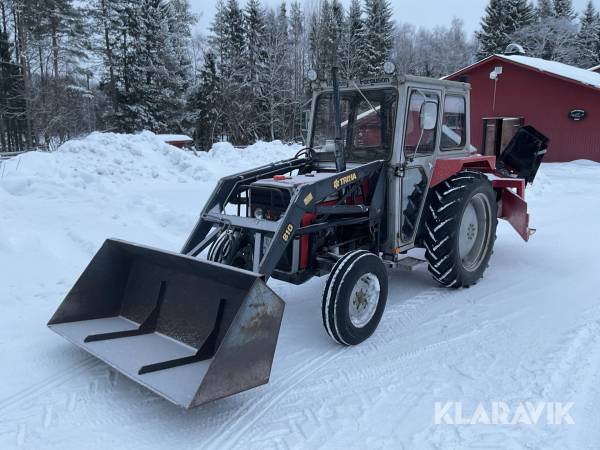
(460, 229)
(354, 297)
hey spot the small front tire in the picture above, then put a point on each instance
(354, 298)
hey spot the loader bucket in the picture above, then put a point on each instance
(192, 331)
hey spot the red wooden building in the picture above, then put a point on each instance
(176, 140)
(561, 101)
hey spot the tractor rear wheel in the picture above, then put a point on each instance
(460, 229)
(354, 297)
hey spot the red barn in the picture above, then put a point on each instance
(595, 69)
(561, 101)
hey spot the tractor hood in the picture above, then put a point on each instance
(291, 182)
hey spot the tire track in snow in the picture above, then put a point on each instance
(280, 392)
(47, 384)
(263, 405)
(353, 375)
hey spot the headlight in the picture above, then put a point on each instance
(312, 75)
(259, 214)
(389, 67)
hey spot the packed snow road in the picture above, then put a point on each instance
(528, 332)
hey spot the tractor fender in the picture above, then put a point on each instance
(513, 207)
(444, 168)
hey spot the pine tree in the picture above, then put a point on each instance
(151, 68)
(545, 9)
(522, 13)
(503, 19)
(279, 93)
(353, 36)
(217, 29)
(12, 102)
(379, 36)
(234, 40)
(204, 107)
(588, 38)
(564, 9)
(255, 58)
(254, 28)
(298, 52)
(493, 37)
(328, 42)
(229, 41)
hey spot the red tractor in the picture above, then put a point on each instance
(388, 168)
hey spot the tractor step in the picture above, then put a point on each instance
(409, 263)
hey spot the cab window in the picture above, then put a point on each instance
(454, 123)
(367, 124)
(418, 140)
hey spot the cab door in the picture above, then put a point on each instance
(421, 140)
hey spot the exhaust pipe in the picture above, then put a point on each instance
(190, 330)
(340, 158)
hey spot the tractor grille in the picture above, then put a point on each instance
(274, 202)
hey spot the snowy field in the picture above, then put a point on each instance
(528, 332)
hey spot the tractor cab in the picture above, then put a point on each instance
(406, 122)
(396, 119)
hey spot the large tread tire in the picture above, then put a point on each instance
(447, 203)
(337, 296)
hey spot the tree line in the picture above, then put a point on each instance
(71, 67)
(550, 29)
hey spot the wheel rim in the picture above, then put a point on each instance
(474, 231)
(364, 300)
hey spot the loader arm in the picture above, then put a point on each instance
(226, 186)
(306, 200)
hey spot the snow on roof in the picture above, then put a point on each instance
(582, 76)
(174, 138)
(595, 69)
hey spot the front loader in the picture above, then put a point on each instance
(388, 168)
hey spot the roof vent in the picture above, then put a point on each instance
(514, 49)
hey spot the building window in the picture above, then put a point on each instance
(454, 126)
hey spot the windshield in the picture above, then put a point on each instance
(367, 124)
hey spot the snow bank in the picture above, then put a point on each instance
(107, 161)
(132, 187)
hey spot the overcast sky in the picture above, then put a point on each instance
(427, 13)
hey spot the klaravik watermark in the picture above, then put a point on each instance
(501, 413)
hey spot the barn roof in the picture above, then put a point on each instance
(595, 69)
(174, 138)
(558, 70)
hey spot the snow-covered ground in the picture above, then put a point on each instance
(529, 331)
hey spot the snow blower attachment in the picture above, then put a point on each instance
(190, 330)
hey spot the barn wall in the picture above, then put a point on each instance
(544, 102)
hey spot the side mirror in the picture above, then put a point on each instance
(428, 115)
